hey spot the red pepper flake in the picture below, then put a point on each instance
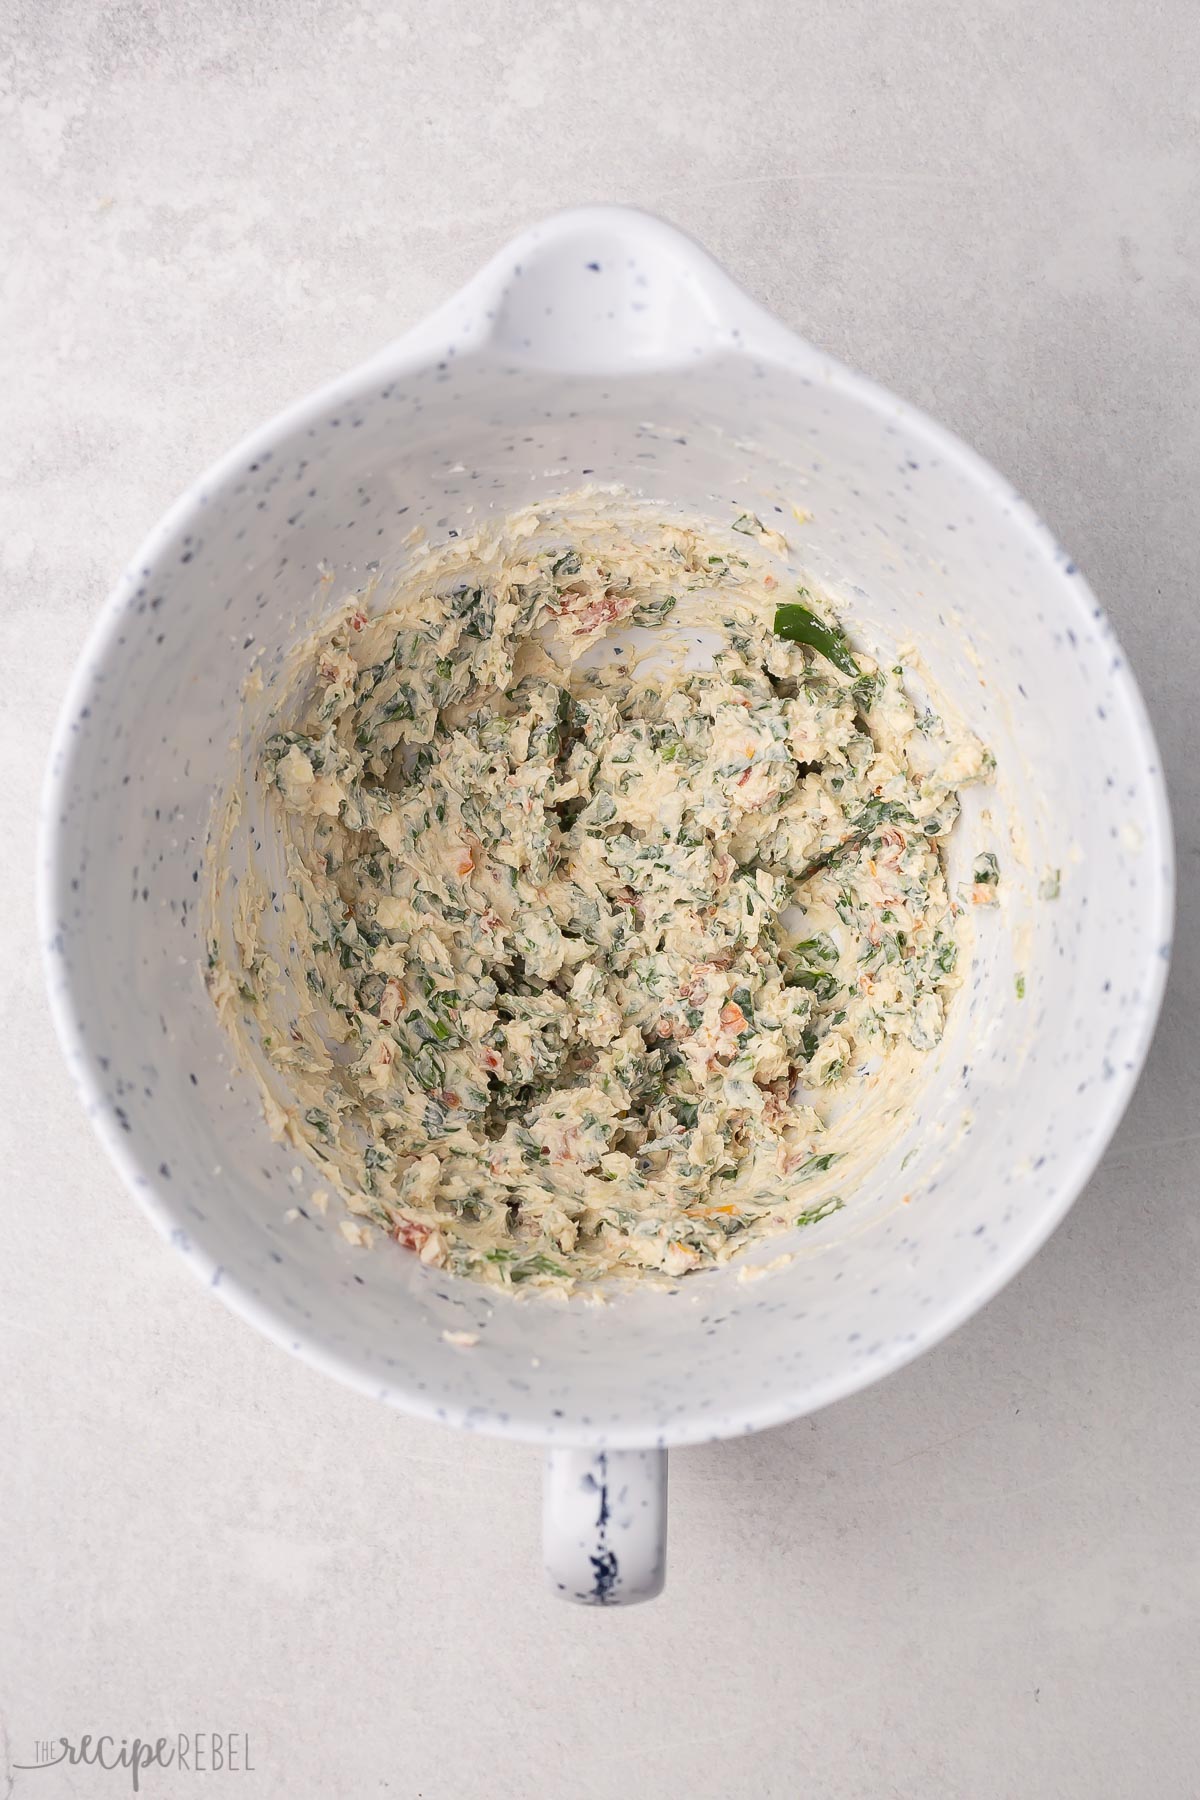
(411, 1235)
(604, 610)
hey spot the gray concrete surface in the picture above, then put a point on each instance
(978, 1581)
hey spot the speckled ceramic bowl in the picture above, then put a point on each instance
(604, 345)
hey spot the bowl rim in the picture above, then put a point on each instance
(760, 335)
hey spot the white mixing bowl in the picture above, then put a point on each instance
(604, 346)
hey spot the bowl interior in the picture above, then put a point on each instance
(922, 545)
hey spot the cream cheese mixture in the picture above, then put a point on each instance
(608, 864)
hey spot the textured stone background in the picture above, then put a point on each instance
(977, 1581)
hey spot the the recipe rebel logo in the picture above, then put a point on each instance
(193, 1753)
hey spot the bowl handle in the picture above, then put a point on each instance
(604, 1525)
(604, 290)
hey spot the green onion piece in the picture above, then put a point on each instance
(800, 626)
